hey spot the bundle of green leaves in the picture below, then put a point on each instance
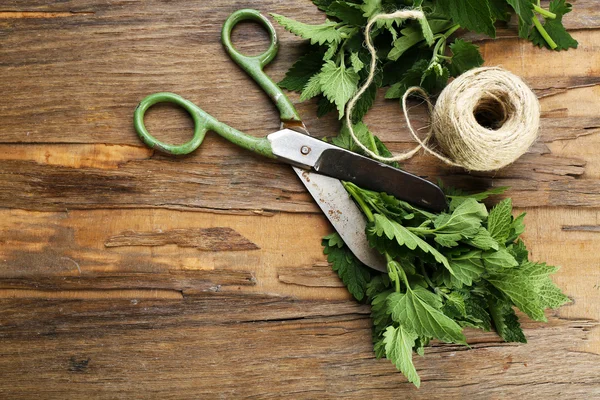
(335, 62)
(465, 267)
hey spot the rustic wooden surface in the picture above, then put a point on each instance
(125, 273)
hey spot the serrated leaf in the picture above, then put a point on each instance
(506, 321)
(519, 251)
(357, 64)
(348, 13)
(520, 291)
(331, 50)
(465, 56)
(322, 33)
(550, 295)
(411, 310)
(482, 240)
(467, 267)
(338, 83)
(555, 28)
(465, 220)
(474, 15)
(324, 107)
(298, 75)
(499, 10)
(524, 10)
(456, 300)
(312, 88)
(350, 270)
(499, 221)
(435, 78)
(498, 260)
(322, 4)
(404, 237)
(412, 77)
(399, 344)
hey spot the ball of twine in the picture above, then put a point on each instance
(484, 120)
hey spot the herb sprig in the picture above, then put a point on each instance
(465, 267)
(411, 53)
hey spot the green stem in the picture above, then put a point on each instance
(450, 31)
(359, 201)
(427, 277)
(543, 12)
(389, 260)
(544, 34)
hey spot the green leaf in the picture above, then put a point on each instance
(435, 78)
(412, 77)
(322, 4)
(499, 10)
(298, 75)
(482, 240)
(379, 312)
(334, 240)
(350, 270)
(555, 28)
(474, 15)
(323, 33)
(498, 260)
(499, 221)
(465, 56)
(399, 344)
(458, 197)
(519, 251)
(344, 140)
(312, 88)
(506, 321)
(410, 36)
(357, 64)
(371, 7)
(467, 267)
(338, 84)
(456, 300)
(465, 220)
(517, 227)
(364, 103)
(324, 107)
(348, 13)
(412, 311)
(550, 295)
(404, 237)
(520, 290)
(524, 9)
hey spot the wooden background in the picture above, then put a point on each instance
(125, 273)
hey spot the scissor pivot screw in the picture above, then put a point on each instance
(305, 150)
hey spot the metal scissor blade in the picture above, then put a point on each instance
(344, 215)
(304, 151)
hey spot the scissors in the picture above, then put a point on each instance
(319, 165)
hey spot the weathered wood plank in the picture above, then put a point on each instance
(266, 347)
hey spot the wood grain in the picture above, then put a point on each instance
(126, 273)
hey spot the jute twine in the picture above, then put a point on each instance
(483, 120)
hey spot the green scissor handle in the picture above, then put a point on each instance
(203, 121)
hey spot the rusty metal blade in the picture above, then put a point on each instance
(344, 215)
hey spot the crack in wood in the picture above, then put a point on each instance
(206, 239)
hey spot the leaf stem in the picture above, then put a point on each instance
(427, 277)
(359, 201)
(544, 34)
(450, 31)
(543, 12)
